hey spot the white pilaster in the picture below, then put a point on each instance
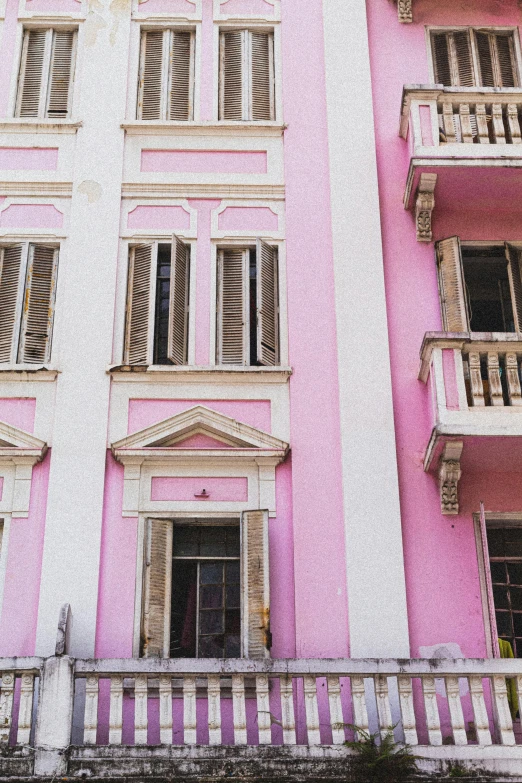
(376, 583)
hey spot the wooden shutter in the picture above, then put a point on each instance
(61, 73)
(231, 83)
(178, 302)
(31, 73)
(232, 307)
(139, 323)
(441, 57)
(38, 311)
(487, 74)
(514, 257)
(496, 59)
(267, 305)
(10, 268)
(255, 584)
(181, 76)
(262, 76)
(461, 46)
(150, 88)
(451, 286)
(157, 587)
(506, 61)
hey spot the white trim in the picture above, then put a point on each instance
(4, 553)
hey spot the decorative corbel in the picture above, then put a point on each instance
(424, 206)
(405, 10)
(449, 476)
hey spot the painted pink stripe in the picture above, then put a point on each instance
(25, 158)
(183, 488)
(205, 161)
(450, 379)
(207, 61)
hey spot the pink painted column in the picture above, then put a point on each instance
(207, 62)
(8, 51)
(203, 262)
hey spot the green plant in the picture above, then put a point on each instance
(380, 759)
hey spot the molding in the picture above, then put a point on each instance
(449, 477)
(424, 206)
(189, 128)
(405, 11)
(25, 374)
(36, 189)
(19, 452)
(53, 19)
(207, 375)
(194, 190)
(18, 125)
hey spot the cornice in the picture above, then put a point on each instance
(156, 190)
(37, 189)
(241, 129)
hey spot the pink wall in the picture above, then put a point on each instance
(182, 488)
(45, 159)
(19, 412)
(31, 216)
(143, 413)
(205, 161)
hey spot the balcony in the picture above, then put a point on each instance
(465, 147)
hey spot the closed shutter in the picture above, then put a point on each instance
(451, 286)
(255, 580)
(441, 56)
(38, 311)
(10, 267)
(157, 587)
(31, 73)
(267, 305)
(506, 60)
(463, 60)
(513, 255)
(231, 83)
(232, 307)
(139, 325)
(150, 88)
(61, 73)
(178, 302)
(487, 75)
(262, 78)
(181, 76)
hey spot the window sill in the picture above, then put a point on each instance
(27, 372)
(38, 125)
(209, 374)
(192, 128)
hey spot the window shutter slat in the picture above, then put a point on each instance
(262, 77)
(151, 76)
(10, 264)
(178, 302)
(485, 60)
(513, 255)
(464, 60)
(442, 59)
(157, 584)
(451, 286)
(232, 76)
(504, 44)
(267, 305)
(138, 306)
(32, 72)
(232, 308)
(181, 77)
(255, 584)
(61, 73)
(38, 312)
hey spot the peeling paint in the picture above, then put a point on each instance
(93, 190)
(93, 24)
(120, 9)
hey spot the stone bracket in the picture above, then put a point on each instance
(449, 477)
(405, 10)
(424, 206)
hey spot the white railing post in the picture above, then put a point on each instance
(55, 713)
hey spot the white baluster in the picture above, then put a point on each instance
(90, 720)
(25, 711)
(475, 378)
(238, 709)
(165, 704)
(449, 123)
(495, 385)
(263, 710)
(214, 709)
(287, 711)
(432, 711)
(140, 709)
(480, 712)
(311, 710)
(515, 136)
(189, 710)
(383, 704)
(503, 714)
(336, 710)
(499, 132)
(409, 724)
(6, 706)
(465, 124)
(455, 709)
(116, 711)
(482, 123)
(360, 713)
(513, 380)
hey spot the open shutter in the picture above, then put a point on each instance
(10, 266)
(149, 100)
(463, 59)
(231, 86)
(157, 587)
(38, 311)
(441, 58)
(181, 76)
(267, 305)
(451, 286)
(262, 76)
(178, 302)
(255, 582)
(139, 318)
(31, 73)
(61, 73)
(513, 255)
(232, 304)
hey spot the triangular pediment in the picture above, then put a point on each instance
(17, 442)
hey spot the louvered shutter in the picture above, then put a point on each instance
(232, 303)
(178, 302)
(255, 581)
(513, 255)
(231, 87)
(61, 73)
(451, 286)
(262, 76)
(506, 60)
(139, 317)
(267, 305)
(487, 74)
(441, 58)
(10, 267)
(157, 587)
(149, 102)
(38, 311)
(463, 59)
(31, 73)
(181, 76)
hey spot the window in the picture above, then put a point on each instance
(480, 287)
(474, 58)
(505, 556)
(46, 73)
(156, 330)
(248, 306)
(166, 80)
(206, 591)
(27, 293)
(246, 82)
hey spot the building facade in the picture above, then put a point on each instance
(220, 257)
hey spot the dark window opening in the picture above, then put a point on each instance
(505, 554)
(162, 305)
(252, 272)
(487, 288)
